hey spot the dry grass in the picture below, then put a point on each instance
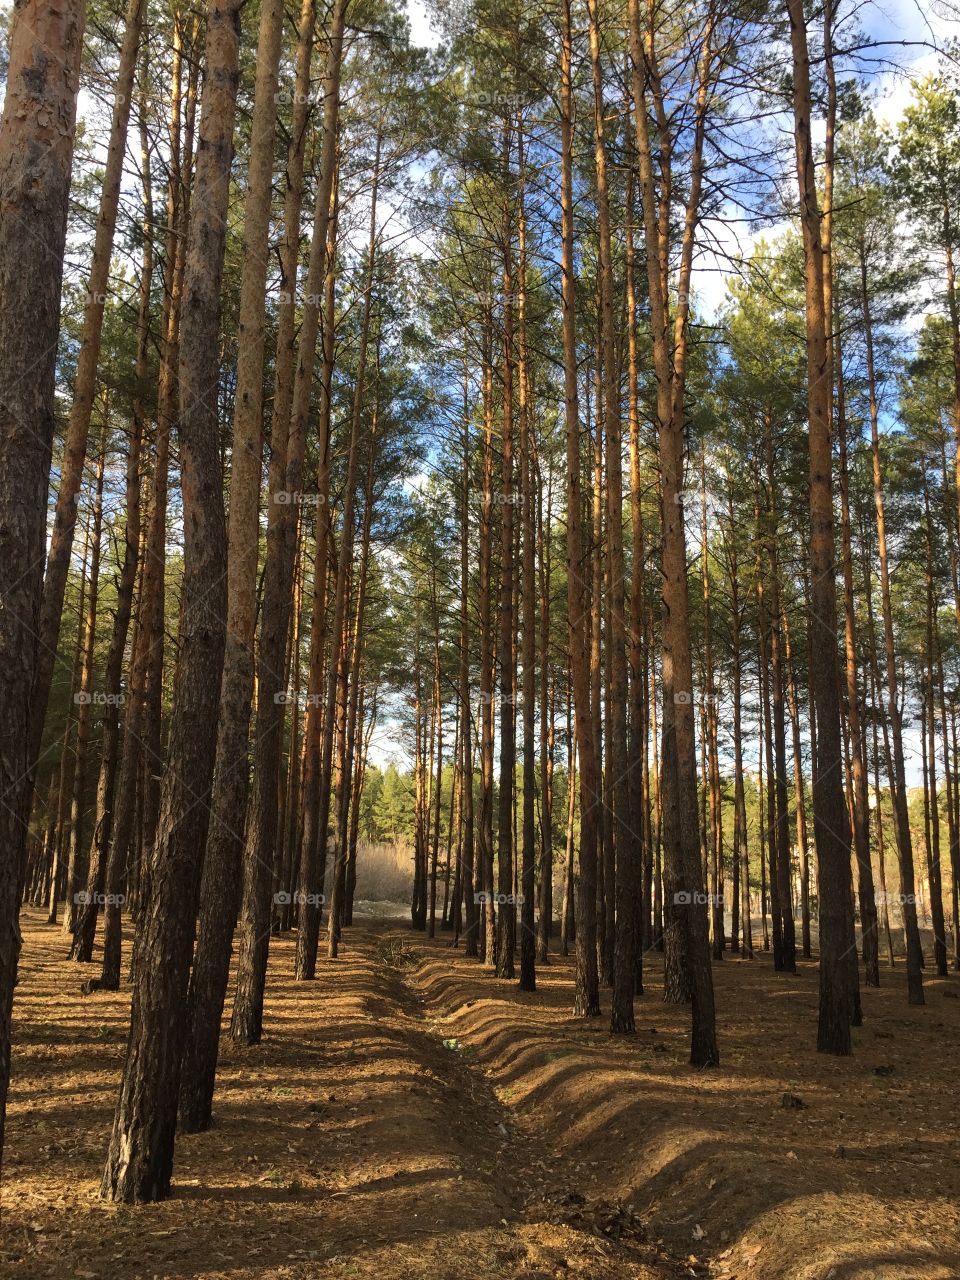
(384, 872)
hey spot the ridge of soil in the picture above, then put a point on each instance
(783, 1164)
(351, 1143)
(409, 1115)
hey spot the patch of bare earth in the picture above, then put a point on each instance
(783, 1163)
(351, 1142)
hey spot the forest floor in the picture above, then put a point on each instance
(411, 1116)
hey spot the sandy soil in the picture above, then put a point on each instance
(409, 1115)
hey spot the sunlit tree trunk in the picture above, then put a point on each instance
(140, 1157)
(936, 890)
(587, 995)
(485, 832)
(85, 381)
(528, 617)
(506, 908)
(147, 657)
(898, 778)
(829, 808)
(471, 941)
(85, 928)
(798, 789)
(625, 851)
(861, 806)
(336, 674)
(220, 884)
(688, 948)
(76, 868)
(246, 1023)
(36, 150)
(778, 681)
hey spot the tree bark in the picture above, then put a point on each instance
(587, 995)
(85, 382)
(246, 1023)
(140, 1157)
(829, 809)
(220, 883)
(36, 151)
(688, 950)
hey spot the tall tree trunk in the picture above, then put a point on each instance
(220, 884)
(36, 151)
(147, 664)
(140, 1157)
(548, 691)
(688, 949)
(485, 833)
(899, 781)
(638, 757)
(528, 585)
(587, 995)
(829, 809)
(470, 936)
(626, 848)
(769, 833)
(246, 1023)
(85, 382)
(85, 928)
(936, 891)
(712, 791)
(76, 869)
(739, 861)
(337, 672)
(507, 912)
(68, 762)
(861, 806)
(567, 923)
(798, 790)
(151, 757)
(313, 842)
(778, 680)
(436, 794)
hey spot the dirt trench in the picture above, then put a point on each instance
(353, 1142)
(410, 1115)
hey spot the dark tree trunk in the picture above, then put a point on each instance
(36, 150)
(140, 1157)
